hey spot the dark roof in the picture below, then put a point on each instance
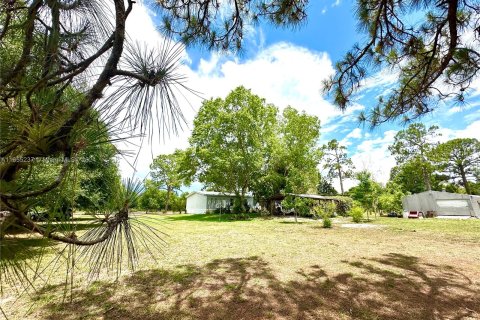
(313, 196)
(218, 194)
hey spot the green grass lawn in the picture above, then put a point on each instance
(215, 268)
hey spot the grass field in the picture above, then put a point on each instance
(214, 268)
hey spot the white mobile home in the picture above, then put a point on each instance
(443, 203)
(208, 201)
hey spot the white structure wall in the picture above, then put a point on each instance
(204, 201)
(443, 203)
(196, 203)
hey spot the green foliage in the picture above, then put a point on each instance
(303, 207)
(290, 165)
(367, 191)
(412, 148)
(356, 213)
(336, 161)
(459, 159)
(390, 202)
(152, 199)
(70, 85)
(325, 210)
(300, 206)
(240, 144)
(165, 170)
(179, 203)
(229, 140)
(90, 183)
(99, 177)
(344, 204)
(167, 173)
(325, 187)
(409, 176)
(201, 23)
(327, 222)
(299, 133)
(237, 206)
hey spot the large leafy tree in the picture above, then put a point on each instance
(57, 60)
(336, 162)
(432, 45)
(230, 140)
(299, 133)
(414, 145)
(459, 158)
(290, 165)
(152, 198)
(409, 177)
(166, 173)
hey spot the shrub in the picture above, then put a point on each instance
(327, 222)
(356, 213)
(329, 208)
(303, 206)
(318, 212)
(325, 209)
(344, 204)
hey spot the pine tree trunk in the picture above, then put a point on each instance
(426, 179)
(464, 179)
(169, 190)
(341, 180)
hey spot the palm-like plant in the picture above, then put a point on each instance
(65, 64)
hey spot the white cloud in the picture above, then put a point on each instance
(373, 155)
(471, 131)
(355, 134)
(383, 79)
(336, 3)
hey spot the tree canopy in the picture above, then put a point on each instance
(459, 158)
(230, 139)
(414, 144)
(336, 162)
(291, 166)
(166, 172)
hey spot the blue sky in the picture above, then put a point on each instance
(286, 67)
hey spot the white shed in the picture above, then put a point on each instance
(207, 201)
(443, 203)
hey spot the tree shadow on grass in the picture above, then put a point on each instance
(394, 286)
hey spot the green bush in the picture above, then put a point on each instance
(327, 222)
(318, 212)
(344, 204)
(356, 213)
(303, 207)
(330, 208)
